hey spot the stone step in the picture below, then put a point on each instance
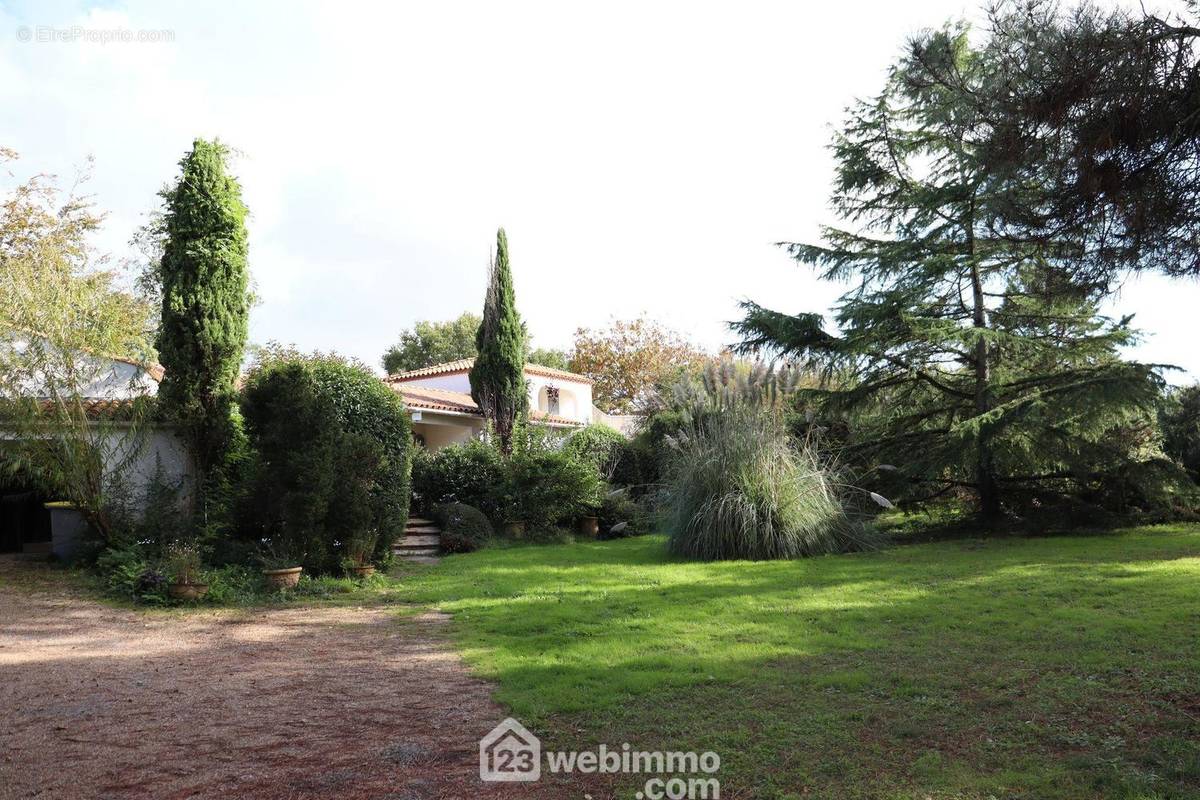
(416, 552)
(419, 521)
(409, 546)
(428, 529)
(419, 541)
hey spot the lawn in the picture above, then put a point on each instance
(1020, 667)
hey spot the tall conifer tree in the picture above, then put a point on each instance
(205, 302)
(498, 377)
(965, 360)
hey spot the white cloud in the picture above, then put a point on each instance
(643, 157)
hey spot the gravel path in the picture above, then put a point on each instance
(276, 703)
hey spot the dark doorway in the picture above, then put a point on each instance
(23, 516)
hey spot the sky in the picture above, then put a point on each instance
(643, 157)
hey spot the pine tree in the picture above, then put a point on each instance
(1097, 123)
(498, 376)
(205, 303)
(964, 360)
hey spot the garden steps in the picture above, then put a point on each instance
(420, 543)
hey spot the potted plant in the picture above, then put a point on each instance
(590, 507)
(280, 566)
(589, 525)
(510, 511)
(358, 556)
(183, 565)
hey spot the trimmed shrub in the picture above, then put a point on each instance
(600, 446)
(545, 484)
(738, 487)
(464, 527)
(333, 447)
(461, 473)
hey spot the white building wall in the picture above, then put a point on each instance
(440, 431)
(141, 455)
(575, 397)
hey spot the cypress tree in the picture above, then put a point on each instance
(205, 303)
(498, 376)
(963, 361)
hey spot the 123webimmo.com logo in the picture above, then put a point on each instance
(510, 752)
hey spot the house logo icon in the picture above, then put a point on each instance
(510, 753)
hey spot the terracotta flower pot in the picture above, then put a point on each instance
(187, 591)
(514, 530)
(283, 578)
(589, 526)
(362, 570)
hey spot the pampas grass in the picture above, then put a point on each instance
(738, 486)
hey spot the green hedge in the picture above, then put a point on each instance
(542, 483)
(461, 473)
(547, 484)
(333, 447)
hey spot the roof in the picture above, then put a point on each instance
(121, 408)
(461, 403)
(465, 364)
(438, 399)
(153, 369)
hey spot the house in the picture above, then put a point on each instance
(107, 387)
(443, 412)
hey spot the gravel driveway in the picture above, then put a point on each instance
(321, 702)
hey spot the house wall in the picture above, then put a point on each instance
(136, 457)
(443, 430)
(139, 458)
(162, 446)
(574, 397)
(627, 424)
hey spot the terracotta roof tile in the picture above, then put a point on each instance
(95, 408)
(441, 399)
(553, 419)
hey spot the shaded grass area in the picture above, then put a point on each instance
(1033, 668)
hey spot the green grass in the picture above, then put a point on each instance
(1034, 668)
